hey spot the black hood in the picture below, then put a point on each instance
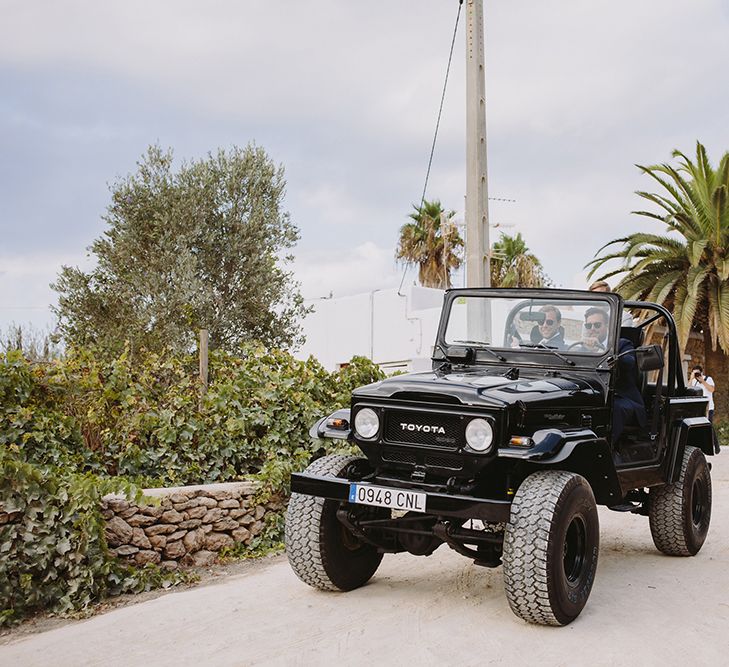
(488, 387)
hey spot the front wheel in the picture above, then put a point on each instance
(551, 545)
(680, 513)
(322, 552)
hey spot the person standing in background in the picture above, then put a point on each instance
(602, 286)
(698, 379)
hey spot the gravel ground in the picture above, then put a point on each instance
(645, 609)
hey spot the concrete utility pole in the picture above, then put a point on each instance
(477, 217)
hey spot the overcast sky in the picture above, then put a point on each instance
(345, 96)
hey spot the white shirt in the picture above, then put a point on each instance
(707, 394)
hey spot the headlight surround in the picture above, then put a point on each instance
(366, 423)
(479, 435)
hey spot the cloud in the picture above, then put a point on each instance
(345, 95)
(344, 272)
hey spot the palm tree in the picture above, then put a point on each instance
(433, 243)
(688, 269)
(512, 265)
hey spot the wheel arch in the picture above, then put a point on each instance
(695, 431)
(579, 451)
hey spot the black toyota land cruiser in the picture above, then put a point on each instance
(541, 404)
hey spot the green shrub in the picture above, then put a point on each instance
(53, 553)
(70, 428)
(142, 418)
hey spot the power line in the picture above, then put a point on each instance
(440, 109)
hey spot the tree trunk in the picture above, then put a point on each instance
(717, 366)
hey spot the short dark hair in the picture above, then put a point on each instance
(552, 309)
(698, 367)
(593, 310)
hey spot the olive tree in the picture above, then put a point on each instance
(201, 246)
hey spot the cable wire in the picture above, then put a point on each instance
(440, 110)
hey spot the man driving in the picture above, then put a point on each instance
(595, 329)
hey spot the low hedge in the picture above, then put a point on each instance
(76, 429)
(53, 553)
(142, 417)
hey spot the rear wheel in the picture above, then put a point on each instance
(680, 513)
(551, 546)
(321, 550)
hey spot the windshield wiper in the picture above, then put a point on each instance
(482, 346)
(542, 346)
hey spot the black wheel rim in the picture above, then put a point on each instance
(575, 544)
(698, 502)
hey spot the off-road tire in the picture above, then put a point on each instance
(321, 551)
(680, 513)
(551, 545)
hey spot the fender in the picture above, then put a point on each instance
(694, 431)
(334, 427)
(574, 450)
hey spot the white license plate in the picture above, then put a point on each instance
(397, 499)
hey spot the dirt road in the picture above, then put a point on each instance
(645, 609)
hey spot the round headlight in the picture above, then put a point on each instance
(479, 435)
(366, 423)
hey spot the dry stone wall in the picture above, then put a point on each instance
(188, 526)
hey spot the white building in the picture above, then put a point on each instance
(395, 329)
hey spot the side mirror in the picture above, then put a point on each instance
(649, 357)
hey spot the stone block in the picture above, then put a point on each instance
(207, 502)
(246, 519)
(229, 504)
(194, 540)
(180, 496)
(181, 507)
(213, 515)
(241, 534)
(220, 494)
(128, 512)
(260, 512)
(158, 541)
(199, 559)
(152, 510)
(117, 505)
(147, 556)
(105, 514)
(225, 524)
(174, 550)
(125, 550)
(216, 541)
(207, 528)
(118, 531)
(189, 523)
(172, 516)
(178, 534)
(160, 529)
(169, 564)
(139, 539)
(195, 512)
(256, 528)
(237, 514)
(141, 520)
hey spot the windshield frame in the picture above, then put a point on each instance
(534, 356)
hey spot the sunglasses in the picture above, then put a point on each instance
(596, 325)
(549, 323)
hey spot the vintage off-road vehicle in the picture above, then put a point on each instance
(505, 448)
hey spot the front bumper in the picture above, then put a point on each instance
(438, 504)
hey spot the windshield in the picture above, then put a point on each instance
(564, 325)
